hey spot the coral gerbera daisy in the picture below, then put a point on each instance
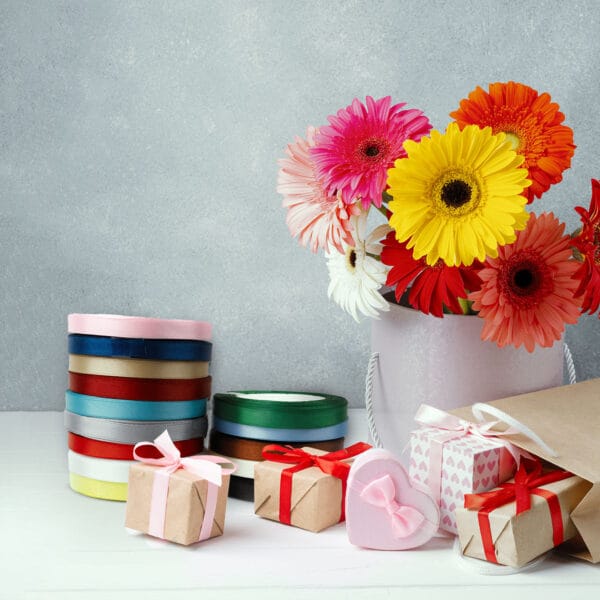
(355, 151)
(528, 293)
(317, 219)
(356, 276)
(532, 123)
(587, 243)
(457, 195)
(433, 287)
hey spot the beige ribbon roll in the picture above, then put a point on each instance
(138, 367)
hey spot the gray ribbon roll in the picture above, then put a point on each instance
(132, 432)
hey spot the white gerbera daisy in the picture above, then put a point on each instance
(355, 276)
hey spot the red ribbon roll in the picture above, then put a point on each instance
(520, 491)
(130, 388)
(330, 463)
(100, 449)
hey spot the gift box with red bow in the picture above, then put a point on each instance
(178, 499)
(523, 518)
(453, 457)
(304, 487)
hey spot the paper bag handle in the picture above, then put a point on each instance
(480, 408)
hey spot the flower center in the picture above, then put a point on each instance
(351, 259)
(525, 279)
(514, 139)
(455, 193)
(373, 150)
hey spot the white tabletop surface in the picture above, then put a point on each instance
(57, 544)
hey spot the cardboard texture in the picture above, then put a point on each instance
(518, 539)
(316, 496)
(568, 419)
(470, 465)
(185, 504)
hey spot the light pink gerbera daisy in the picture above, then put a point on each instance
(316, 218)
(528, 293)
(354, 153)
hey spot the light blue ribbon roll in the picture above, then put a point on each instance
(319, 434)
(133, 410)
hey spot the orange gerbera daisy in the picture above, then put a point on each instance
(528, 293)
(531, 122)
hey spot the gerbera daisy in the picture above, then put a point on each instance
(355, 151)
(532, 123)
(433, 287)
(356, 276)
(457, 195)
(317, 219)
(528, 293)
(587, 243)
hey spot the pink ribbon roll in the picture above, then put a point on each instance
(139, 327)
(202, 465)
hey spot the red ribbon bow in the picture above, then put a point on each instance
(525, 484)
(330, 463)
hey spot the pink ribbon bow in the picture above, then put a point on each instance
(203, 466)
(451, 427)
(382, 494)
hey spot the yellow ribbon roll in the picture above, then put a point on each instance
(105, 490)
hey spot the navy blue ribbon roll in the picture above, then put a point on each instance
(96, 345)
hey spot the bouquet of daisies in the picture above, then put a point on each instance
(457, 235)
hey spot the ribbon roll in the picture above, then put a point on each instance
(280, 435)
(104, 490)
(138, 327)
(244, 468)
(241, 488)
(102, 469)
(281, 410)
(137, 367)
(99, 449)
(132, 388)
(133, 410)
(94, 345)
(248, 449)
(131, 432)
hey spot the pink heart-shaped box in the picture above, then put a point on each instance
(370, 526)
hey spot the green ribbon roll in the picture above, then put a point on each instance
(281, 410)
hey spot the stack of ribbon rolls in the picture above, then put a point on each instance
(245, 422)
(130, 378)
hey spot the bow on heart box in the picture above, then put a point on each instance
(384, 510)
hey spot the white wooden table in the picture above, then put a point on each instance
(57, 544)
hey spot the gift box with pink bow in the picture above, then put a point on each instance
(454, 457)
(182, 500)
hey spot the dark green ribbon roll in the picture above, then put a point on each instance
(281, 410)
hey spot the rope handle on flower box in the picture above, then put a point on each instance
(371, 371)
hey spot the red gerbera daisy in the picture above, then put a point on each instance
(531, 122)
(528, 293)
(588, 244)
(354, 153)
(433, 287)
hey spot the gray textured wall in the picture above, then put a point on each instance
(137, 163)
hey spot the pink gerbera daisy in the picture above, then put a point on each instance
(354, 153)
(528, 293)
(318, 220)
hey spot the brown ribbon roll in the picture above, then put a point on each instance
(247, 449)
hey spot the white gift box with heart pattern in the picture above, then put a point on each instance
(469, 465)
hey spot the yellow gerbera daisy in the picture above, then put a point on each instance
(457, 195)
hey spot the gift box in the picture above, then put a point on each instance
(452, 460)
(303, 487)
(182, 500)
(522, 519)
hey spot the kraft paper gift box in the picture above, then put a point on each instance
(452, 462)
(567, 420)
(181, 500)
(494, 527)
(303, 487)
